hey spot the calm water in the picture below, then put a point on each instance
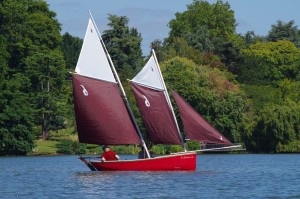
(217, 176)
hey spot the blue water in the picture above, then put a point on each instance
(217, 176)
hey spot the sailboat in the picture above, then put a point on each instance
(104, 116)
(103, 113)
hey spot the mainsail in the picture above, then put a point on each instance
(154, 104)
(195, 126)
(101, 114)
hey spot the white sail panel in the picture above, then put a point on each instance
(92, 61)
(149, 75)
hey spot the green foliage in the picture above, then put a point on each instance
(26, 24)
(193, 145)
(262, 94)
(45, 147)
(16, 127)
(274, 127)
(46, 70)
(16, 122)
(71, 147)
(250, 38)
(228, 51)
(292, 147)
(165, 149)
(33, 39)
(210, 92)
(208, 29)
(287, 89)
(270, 62)
(71, 49)
(178, 47)
(284, 31)
(124, 45)
(216, 20)
(131, 149)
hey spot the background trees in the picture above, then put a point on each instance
(247, 86)
(124, 45)
(284, 31)
(33, 76)
(209, 28)
(267, 66)
(210, 92)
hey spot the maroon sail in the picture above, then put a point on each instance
(156, 115)
(195, 126)
(101, 115)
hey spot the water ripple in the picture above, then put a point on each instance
(217, 176)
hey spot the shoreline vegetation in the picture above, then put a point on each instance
(50, 148)
(244, 85)
(65, 142)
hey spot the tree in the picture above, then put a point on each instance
(179, 47)
(210, 91)
(46, 70)
(33, 42)
(71, 47)
(200, 40)
(250, 38)
(124, 45)
(26, 23)
(284, 31)
(17, 130)
(217, 19)
(275, 125)
(209, 28)
(270, 62)
(16, 126)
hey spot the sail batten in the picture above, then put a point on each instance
(195, 126)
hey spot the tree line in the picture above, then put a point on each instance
(247, 86)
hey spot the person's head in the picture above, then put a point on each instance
(105, 148)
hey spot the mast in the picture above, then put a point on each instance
(121, 89)
(168, 100)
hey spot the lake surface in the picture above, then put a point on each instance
(217, 176)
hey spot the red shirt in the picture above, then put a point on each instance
(109, 155)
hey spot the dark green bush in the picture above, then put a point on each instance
(71, 147)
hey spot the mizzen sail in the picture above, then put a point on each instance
(195, 126)
(154, 104)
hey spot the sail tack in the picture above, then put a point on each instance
(195, 126)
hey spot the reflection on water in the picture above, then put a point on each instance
(217, 176)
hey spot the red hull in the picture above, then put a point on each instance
(176, 162)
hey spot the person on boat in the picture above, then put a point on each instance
(108, 155)
(142, 153)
